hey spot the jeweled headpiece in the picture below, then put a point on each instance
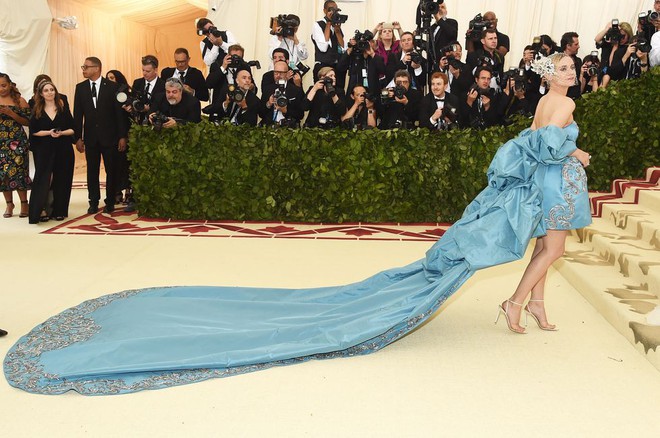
(543, 66)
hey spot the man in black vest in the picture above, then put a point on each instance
(215, 43)
(570, 45)
(100, 130)
(192, 79)
(328, 40)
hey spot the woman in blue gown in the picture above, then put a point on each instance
(160, 337)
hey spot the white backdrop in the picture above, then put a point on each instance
(25, 29)
(521, 20)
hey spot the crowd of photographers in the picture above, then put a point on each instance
(386, 78)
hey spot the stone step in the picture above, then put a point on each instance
(637, 221)
(626, 303)
(632, 258)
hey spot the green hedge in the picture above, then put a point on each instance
(204, 171)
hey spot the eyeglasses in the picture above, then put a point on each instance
(280, 72)
(85, 67)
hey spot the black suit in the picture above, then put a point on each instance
(140, 84)
(100, 128)
(397, 112)
(217, 79)
(187, 110)
(193, 78)
(447, 34)
(428, 106)
(294, 109)
(394, 63)
(355, 64)
(233, 112)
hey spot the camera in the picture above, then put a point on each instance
(280, 95)
(476, 27)
(641, 43)
(158, 120)
(399, 92)
(455, 63)
(430, 7)
(613, 35)
(235, 93)
(329, 87)
(287, 25)
(362, 41)
(450, 113)
(537, 47)
(416, 58)
(236, 61)
(337, 18)
(518, 76)
(211, 30)
(594, 67)
(420, 44)
(488, 92)
(138, 100)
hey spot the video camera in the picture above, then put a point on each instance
(284, 25)
(476, 27)
(337, 18)
(362, 41)
(430, 7)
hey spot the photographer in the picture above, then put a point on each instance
(361, 113)
(438, 110)
(364, 67)
(589, 73)
(284, 33)
(535, 83)
(443, 31)
(192, 79)
(480, 109)
(216, 43)
(144, 89)
(223, 70)
(654, 54)
(490, 19)
(458, 73)
(513, 100)
(179, 106)
(613, 41)
(399, 106)
(236, 102)
(324, 101)
(408, 59)
(488, 57)
(636, 60)
(328, 40)
(570, 45)
(386, 42)
(282, 102)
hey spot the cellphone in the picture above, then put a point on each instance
(388, 25)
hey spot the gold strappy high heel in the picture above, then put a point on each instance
(503, 310)
(549, 327)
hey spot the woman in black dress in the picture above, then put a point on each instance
(51, 131)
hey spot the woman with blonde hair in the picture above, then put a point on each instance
(386, 42)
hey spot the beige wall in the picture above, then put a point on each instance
(119, 43)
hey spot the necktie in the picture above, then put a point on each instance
(182, 75)
(146, 89)
(94, 93)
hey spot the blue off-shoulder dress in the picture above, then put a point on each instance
(160, 337)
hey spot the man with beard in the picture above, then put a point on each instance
(179, 106)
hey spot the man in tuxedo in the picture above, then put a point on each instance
(444, 31)
(287, 115)
(438, 109)
(177, 104)
(100, 130)
(149, 84)
(192, 79)
(481, 107)
(223, 71)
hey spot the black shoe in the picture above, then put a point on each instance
(130, 207)
(93, 208)
(59, 218)
(3, 332)
(109, 208)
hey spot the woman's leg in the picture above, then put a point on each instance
(9, 211)
(551, 248)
